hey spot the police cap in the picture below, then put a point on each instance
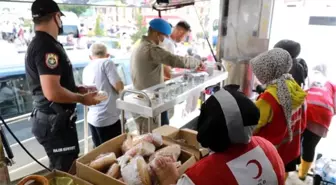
(42, 8)
(160, 25)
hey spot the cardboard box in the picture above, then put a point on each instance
(98, 178)
(172, 135)
(56, 173)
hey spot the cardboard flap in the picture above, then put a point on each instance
(190, 136)
(166, 131)
(72, 170)
(173, 135)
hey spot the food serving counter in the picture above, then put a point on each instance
(151, 102)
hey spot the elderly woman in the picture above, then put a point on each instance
(226, 125)
(282, 114)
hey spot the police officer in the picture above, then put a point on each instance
(51, 81)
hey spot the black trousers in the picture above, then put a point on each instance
(102, 134)
(164, 118)
(291, 166)
(309, 141)
(60, 144)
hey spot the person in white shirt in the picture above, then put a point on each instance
(103, 118)
(179, 33)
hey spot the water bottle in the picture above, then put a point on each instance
(319, 166)
(329, 172)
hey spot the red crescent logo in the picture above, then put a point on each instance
(258, 166)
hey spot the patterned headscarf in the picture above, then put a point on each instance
(272, 67)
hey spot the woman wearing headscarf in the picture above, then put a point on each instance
(225, 126)
(299, 69)
(282, 114)
(321, 108)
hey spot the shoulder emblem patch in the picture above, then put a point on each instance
(51, 60)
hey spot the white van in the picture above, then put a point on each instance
(69, 37)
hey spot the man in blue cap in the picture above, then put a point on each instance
(148, 59)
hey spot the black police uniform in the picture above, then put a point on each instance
(53, 126)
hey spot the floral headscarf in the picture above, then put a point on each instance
(272, 67)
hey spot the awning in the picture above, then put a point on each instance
(156, 4)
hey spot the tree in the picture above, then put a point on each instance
(142, 30)
(77, 9)
(98, 30)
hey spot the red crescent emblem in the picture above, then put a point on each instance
(258, 166)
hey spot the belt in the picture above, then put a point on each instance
(44, 115)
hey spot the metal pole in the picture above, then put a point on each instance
(86, 131)
(122, 96)
(123, 121)
(4, 175)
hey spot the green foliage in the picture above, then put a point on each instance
(27, 23)
(142, 30)
(98, 30)
(77, 9)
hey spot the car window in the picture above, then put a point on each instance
(78, 72)
(15, 98)
(111, 44)
(70, 29)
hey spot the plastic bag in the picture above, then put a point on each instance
(124, 160)
(329, 172)
(114, 171)
(143, 149)
(172, 151)
(127, 144)
(103, 161)
(136, 172)
(101, 96)
(155, 139)
(131, 141)
(320, 164)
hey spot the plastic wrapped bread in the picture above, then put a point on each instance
(114, 171)
(143, 149)
(123, 160)
(136, 172)
(103, 161)
(172, 151)
(101, 96)
(131, 141)
(155, 139)
(128, 144)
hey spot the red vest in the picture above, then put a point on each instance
(276, 131)
(320, 102)
(255, 163)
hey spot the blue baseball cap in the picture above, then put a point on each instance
(160, 25)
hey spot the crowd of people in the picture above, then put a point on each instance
(16, 33)
(250, 142)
